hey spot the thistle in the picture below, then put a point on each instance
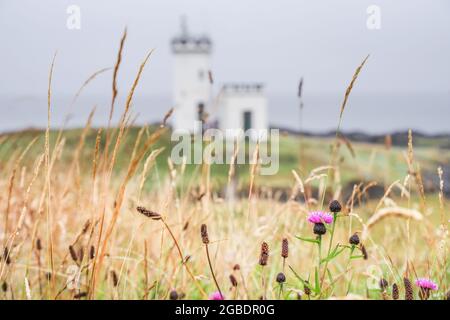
(319, 219)
(425, 285)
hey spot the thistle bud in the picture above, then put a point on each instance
(335, 206)
(281, 278)
(354, 240)
(319, 229)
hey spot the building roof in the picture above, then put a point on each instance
(187, 43)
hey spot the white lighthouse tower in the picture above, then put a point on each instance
(192, 88)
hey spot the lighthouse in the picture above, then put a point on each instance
(192, 88)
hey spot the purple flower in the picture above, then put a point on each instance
(216, 296)
(320, 217)
(425, 283)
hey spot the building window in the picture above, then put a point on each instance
(247, 120)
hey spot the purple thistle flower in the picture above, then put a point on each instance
(216, 296)
(320, 217)
(425, 283)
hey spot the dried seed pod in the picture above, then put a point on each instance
(204, 234)
(38, 244)
(114, 278)
(86, 226)
(409, 293)
(173, 295)
(233, 280)
(92, 253)
(4, 286)
(73, 253)
(306, 288)
(80, 295)
(285, 248)
(395, 292)
(7, 255)
(264, 256)
(236, 267)
(364, 251)
(148, 213)
(383, 284)
(81, 253)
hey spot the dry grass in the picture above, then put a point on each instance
(72, 231)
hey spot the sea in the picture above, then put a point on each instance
(371, 113)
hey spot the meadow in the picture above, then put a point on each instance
(103, 213)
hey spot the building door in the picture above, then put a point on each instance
(201, 117)
(247, 120)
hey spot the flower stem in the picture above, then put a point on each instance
(319, 246)
(329, 247)
(212, 271)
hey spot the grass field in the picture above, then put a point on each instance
(103, 213)
(85, 238)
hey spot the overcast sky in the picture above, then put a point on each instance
(275, 42)
(270, 41)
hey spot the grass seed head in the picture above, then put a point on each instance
(409, 293)
(204, 234)
(148, 213)
(264, 256)
(233, 280)
(395, 292)
(383, 284)
(38, 244)
(285, 248)
(73, 253)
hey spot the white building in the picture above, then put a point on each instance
(243, 106)
(239, 106)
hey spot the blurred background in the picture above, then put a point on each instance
(405, 83)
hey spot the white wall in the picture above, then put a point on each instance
(233, 105)
(190, 88)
